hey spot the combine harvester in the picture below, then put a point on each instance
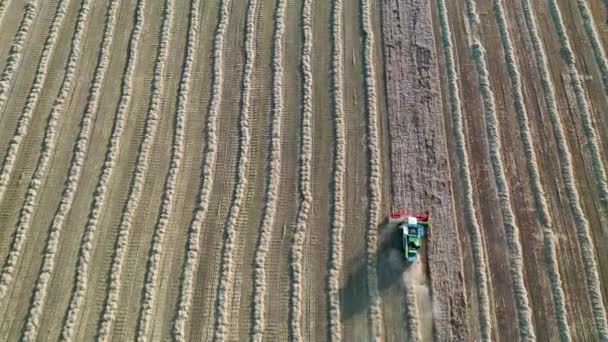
(413, 227)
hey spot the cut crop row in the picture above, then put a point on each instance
(336, 231)
(274, 179)
(222, 302)
(191, 261)
(168, 202)
(516, 268)
(48, 265)
(536, 186)
(373, 146)
(139, 177)
(565, 158)
(464, 176)
(79, 289)
(27, 210)
(596, 44)
(305, 191)
(15, 55)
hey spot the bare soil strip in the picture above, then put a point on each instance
(544, 217)
(138, 180)
(26, 212)
(464, 176)
(305, 187)
(567, 171)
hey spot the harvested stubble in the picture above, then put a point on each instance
(305, 192)
(48, 264)
(14, 59)
(523, 310)
(177, 151)
(464, 176)
(137, 182)
(375, 186)
(566, 168)
(192, 245)
(274, 179)
(586, 120)
(29, 204)
(339, 169)
(86, 247)
(222, 303)
(536, 186)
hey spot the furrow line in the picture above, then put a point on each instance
(191, 261)
(274, 180)
(177, 151)
(516, 268)
(222, 303)
(296, 253)
(594, 39)
(110, 308)
(27, 210)
(536, 186)
(375, 186)
(464, 176)
(29, 108)
(79, 288)
(567, 170)
(339, 168)
(14, 58)
(48, 265)
(586, 120)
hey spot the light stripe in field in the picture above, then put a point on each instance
(192, 247)
(110, 309)
(470, 216)
(82, 272)
(274, 179)
(14, 58)
(339, 169)
(48, 265)
(177, 151)
(567, 171)
(27, 210)
(584, 112)
(596, 44)
(536, 186)
(222, 303)
(516, 270)
(373, 146)
(305, 192)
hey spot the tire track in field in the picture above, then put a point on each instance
(373, 146)
(596, 45)
(274, 179)
(567, 171)
(14, 58)
(516, 270)
(79, 288)
(339, 168)
(27, 210)
(464, 175)
(177, 151)
(48, 266)
(536, 186)
(192, 260)
(110, 308)
(305, 187)
(222, 307)
(587, 122)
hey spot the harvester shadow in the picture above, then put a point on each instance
(390, 266)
